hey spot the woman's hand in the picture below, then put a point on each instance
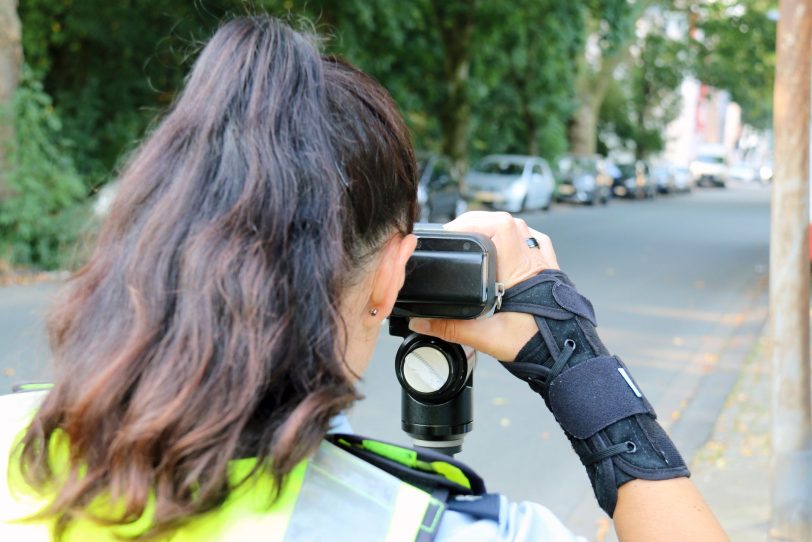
(505, 333)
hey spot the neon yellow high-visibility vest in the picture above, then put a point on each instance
(333, 496)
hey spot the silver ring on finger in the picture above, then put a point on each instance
(532, 242)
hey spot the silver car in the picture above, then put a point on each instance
(511, 183)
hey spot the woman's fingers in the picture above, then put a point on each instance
(516, 261)
(483, 222)
(546, 248)
(501, 336)
(504, 334)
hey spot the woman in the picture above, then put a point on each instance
(258, 241)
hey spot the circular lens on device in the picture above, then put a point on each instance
(426, 369)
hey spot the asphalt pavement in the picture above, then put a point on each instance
(24, 354)
(679, 287)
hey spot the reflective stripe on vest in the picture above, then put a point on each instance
(333, 496)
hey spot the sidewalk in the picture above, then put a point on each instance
(717, 412)
(732, 468)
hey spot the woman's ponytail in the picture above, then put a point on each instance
(205, 326)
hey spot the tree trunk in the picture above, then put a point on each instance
(591, 86)
(455, 21)
(640, 150)
(532, 134)
(791, 399)
(583, 130)
(528, 119)
(11, 58)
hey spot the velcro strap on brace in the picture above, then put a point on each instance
(524, 297)
(593, 395)
(569, 298)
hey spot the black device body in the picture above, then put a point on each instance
(450, 275)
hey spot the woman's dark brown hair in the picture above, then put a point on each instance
(205, 326)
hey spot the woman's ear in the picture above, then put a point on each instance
(389, 276)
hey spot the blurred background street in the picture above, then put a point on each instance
(638, 134)
(679, 286)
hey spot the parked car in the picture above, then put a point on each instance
(683, 182)
(662, 176)
(744, 172)
(581, 180)
(511, 183)
(610, 172)
(709, 168)
(634, 181)
(438, 192)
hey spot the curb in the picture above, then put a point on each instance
(707, 400)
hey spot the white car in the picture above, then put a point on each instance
(510, 182)
(682, 178)
(747, 173)
(710, 166)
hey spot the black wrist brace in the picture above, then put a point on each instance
(609, 422)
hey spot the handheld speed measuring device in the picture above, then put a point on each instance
(450, 275)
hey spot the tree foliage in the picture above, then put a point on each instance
(110, 66)
(40, 219)
(420, 51)
(610, 27)
(646, 97)
(736, 52)
(471, 77)
(524, 81)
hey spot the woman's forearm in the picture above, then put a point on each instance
(667, 510)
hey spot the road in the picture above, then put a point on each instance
(678, 284)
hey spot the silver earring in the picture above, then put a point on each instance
(373, 311)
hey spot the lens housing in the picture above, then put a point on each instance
(419, 368)
(436, 378)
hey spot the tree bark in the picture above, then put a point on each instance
(583, 130)
(456, 21)
(531, 129)
(592, 88)
(11, 58)
(791, 398)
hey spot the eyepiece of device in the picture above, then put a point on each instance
(430, 369)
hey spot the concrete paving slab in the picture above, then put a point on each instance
(732, 469)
